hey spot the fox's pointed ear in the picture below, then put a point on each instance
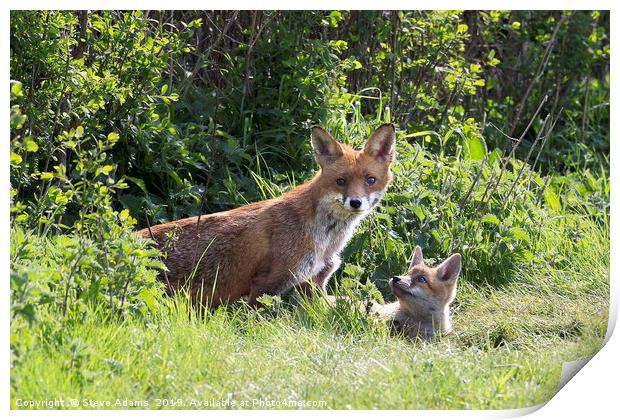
(326, 148)
(417, 258)
(380, 145)
(450, 269)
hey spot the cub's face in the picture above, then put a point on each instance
(427, 287)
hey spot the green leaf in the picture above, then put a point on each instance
(419, 213)
(490, 219)
(552, 200)
(476, 149)
(426, 134)
(123, 215)
(519, 234)
(70, 144)
(148, 298)
(352, 270)
(31, 146)
(16, 89)
(21, 217)
(139, 183)
(15, 159)
(338, 45)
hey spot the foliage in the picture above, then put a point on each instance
(200, 101)
(73, 275)
(98, 84)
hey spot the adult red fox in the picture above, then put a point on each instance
(270, 246)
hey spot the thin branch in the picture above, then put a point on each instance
(201, 59)
(546, 137)
(538, 74)
(543, 133)
(514, 148)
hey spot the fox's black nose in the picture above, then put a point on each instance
(355, 203)
(395, 279)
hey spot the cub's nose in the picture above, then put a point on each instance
(395, 279)
(355, 203)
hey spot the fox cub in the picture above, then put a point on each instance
(424, 295)
(273, 245)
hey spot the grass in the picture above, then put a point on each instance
(507, 351)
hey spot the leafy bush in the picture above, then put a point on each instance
(71, 275)
(202, 100)
(90, 78)
(60, 280)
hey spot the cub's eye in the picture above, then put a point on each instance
(341, 181)
(370, 180)
(421, 279)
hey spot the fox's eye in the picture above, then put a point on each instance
(340, 181)
(421, 279)
(370, 180)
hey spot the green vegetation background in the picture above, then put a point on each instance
(503, 144)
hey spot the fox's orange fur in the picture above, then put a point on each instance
(270, 246)
(424, 295)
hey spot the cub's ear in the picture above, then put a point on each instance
(326, 148)
(380, 145)
(450, 269)
(417, 258)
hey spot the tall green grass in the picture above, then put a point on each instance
(506, 352)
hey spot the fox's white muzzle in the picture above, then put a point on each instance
(362, 203)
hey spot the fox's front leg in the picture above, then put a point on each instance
(264, 284)
(321, 279)
(276, 279)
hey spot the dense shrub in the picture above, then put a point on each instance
(201, 100)
(71, 275)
